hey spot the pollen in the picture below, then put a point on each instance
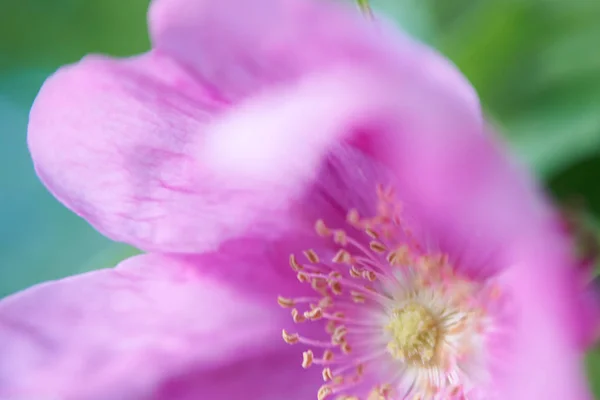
(414, 332)
(398, 318)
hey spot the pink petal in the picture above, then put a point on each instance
(152, 328)
(547, 362)
(456, 183)
(122, 143)
(117, 142)
(241, 46)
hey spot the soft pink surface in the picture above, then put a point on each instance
(152, 328)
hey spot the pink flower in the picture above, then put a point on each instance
(434, 269)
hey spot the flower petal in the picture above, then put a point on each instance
(455, 180)
(117, 142)
(547, 362)
(121, 143)
(152, 328)
(241, 46)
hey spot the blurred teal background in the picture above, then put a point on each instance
(535, 64)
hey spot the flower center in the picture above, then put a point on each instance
(400, 318)
(414, 332)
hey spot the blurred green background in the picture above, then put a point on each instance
(535, 64)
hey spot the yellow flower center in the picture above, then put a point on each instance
(399, 316)
(414, 334)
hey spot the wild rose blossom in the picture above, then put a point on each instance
(291, 152)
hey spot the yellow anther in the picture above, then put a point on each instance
(338, 336)
(357, 297)
(303, 277)
(314, 314)
(372, 233)
(311, 256)
(297, 317)
(324, 392)
(336, 287)
(369, 275)
(353, 218)
(327, 355)
(355, 272)
(322, 229)
(340, 237)
(294, 263)
(290, 338)
(341, 257)
(327, 376)
(346, 348)
(342, 329)
(285, 302)
(399, 256)
(377, 247)
(307, 358)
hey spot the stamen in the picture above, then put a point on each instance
(311, 256)
(307, 359)
(383, 300)
(290, 338)
(285, 302)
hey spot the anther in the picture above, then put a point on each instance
(339, 237)
(327, 376)
(355, 272)
(399, 257)
(369, 275)
(294, 263)
(357, 297)
(372, 233)
(285, 302)
(314, 314)
(290, 338)
(297, 317)
(346, 348)
(303, 277)
(336, 287)
(324, 392)
(342, 257)
(353, 218)
(311, 256)
(322, 229)
(377, 247)
(307, 359)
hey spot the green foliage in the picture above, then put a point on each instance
(42, 33)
